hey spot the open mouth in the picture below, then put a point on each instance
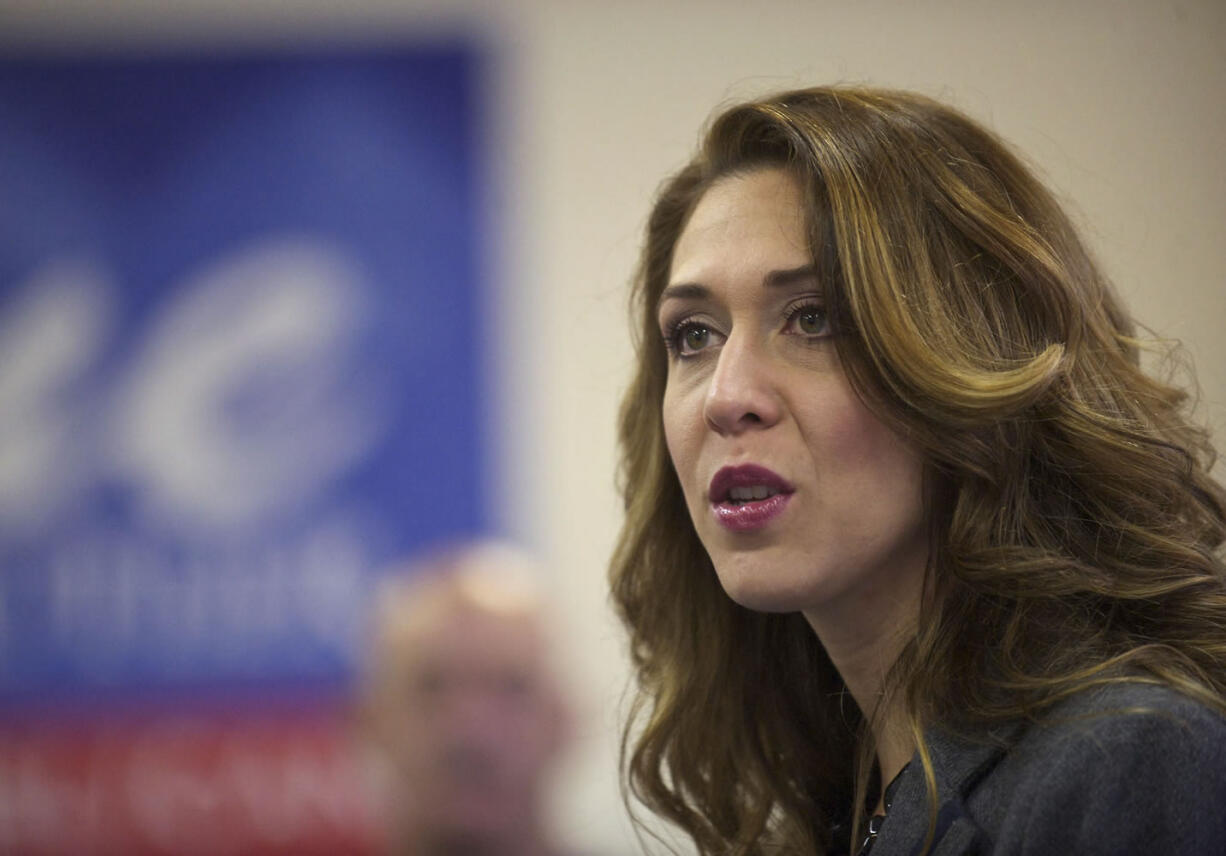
(742, 495)
(744, 484)
(748, 498)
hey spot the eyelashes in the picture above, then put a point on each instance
(687, 336)
(809, 319)
(690, 335)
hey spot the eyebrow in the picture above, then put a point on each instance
(774, 279)
(780, 278)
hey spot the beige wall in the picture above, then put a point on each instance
(1122, 105)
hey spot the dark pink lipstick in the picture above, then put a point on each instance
(748, 497)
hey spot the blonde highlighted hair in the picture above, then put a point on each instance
(1076, 531)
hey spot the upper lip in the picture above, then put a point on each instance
(746, 475)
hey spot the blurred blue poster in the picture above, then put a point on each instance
(241, 338)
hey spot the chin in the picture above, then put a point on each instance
(760, 586)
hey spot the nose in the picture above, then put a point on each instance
(741, 395)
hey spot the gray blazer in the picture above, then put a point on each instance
(1120, 770)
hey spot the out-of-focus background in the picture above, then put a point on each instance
(289, 290)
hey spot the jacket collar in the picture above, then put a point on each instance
(958, 764)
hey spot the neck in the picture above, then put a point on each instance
(863, 641)
(895, 746)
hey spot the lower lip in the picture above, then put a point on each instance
(750, 516)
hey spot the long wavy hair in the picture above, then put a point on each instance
(1076, 531)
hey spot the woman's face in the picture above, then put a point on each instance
(802, 497)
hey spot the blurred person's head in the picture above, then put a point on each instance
(461, 705)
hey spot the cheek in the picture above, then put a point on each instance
(851, 445)
(683, 433)
(677, 432)
(863, 438)
(890, 476)
(839, 431)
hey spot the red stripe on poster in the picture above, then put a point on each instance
(182, 785)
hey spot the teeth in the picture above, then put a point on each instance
(745, 494)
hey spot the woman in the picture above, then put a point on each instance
(915, 557)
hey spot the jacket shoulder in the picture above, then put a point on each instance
(1124, 768)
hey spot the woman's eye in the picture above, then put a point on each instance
(689, 338)
(694, 338)
(809, 321)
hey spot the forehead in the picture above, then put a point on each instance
(742, 222)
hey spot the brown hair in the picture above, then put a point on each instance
(1076, 531)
